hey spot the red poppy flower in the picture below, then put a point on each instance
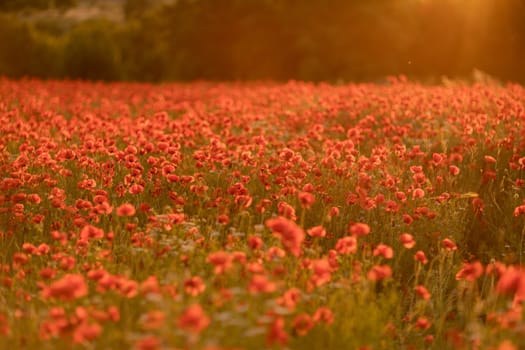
(384, 250)
(69, 287)
(346, 245)
(359, 229)
(276, 333)
(470, 271)
(448, 245)
(317, 231)
(302, 324)
(323, 314)
(292, 236)
(126, 209)
(421, 257)
(194, 286)
(306, 199)
(423, 292)
(379, 272)
(193, 319)
(407, 240)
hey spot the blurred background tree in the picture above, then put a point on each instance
(90, 52)
(318, 40)
(17, 5)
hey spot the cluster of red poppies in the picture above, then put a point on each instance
(225, 216)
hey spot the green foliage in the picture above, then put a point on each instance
(145, 53)
(13, 34)
(135, 8)
(24, 51)
(16, 5)
(315, 40)
(91, 52)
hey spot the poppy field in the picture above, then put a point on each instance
(261, 216)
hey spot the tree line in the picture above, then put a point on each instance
(316, 40)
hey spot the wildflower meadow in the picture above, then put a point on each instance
(261, 216)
